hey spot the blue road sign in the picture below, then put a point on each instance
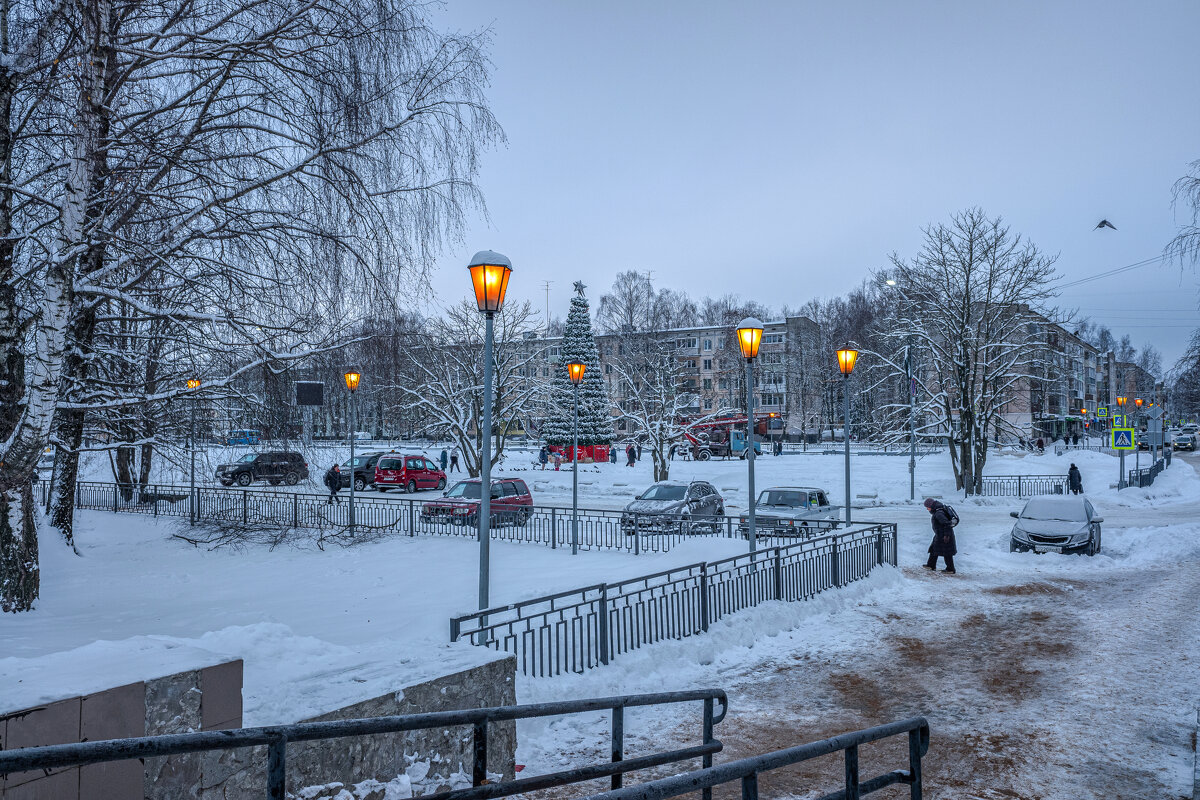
(1123, 439)
(1118, 420)
(1102, 412)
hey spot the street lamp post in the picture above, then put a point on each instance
(489, 277)
(1137, 451)
(575, 370)
(352, 379)
(193, 384)
(749, 335)
(912, 424)
(846, 360)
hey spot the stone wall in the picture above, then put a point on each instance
(242, 773)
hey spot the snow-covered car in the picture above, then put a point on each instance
(672, 505)
(784, 509)
(45, 464)
(511, 503)
(1056, 525)
(1185, 441)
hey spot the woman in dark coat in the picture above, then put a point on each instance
(943, 543)
(1075, 480)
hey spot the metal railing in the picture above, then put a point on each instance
(747, 770)
(583, 628)
(1022, 485)
(1141, 478)
(599, 529)
(277, 738)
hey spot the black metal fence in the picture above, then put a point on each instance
(1023, 485)
(747, 770)
(582, 628)
(276, 740)
(1141, 478)
(545, 525)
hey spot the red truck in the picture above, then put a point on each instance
(511, 503)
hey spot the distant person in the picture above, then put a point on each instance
(943, 518)
(1075, 480)
(333, 479)
(454, 460)
(557, 461)
(630, 454)
(543, 456)
(639, 452)
(1041, 445)
(444, 458)
(612, 454)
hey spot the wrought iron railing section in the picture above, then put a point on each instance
(583, 628)
(747, 770)
(1141, 478)
(1022, 485)
(543, 525)
(277, 738)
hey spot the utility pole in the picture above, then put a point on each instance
(546, 285)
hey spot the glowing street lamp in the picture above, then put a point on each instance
(575, 370)
(352, 379)
(749, 336)
(846, 361)
(193, 384)
(490, 272)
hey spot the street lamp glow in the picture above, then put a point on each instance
(352, 379)
(193, 383)
(846, 360)
(575, 370)
(1138, 402)
(749, 334)
(1121, 401)
(890, 281)
(489, 278)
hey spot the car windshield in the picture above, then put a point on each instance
(359, 461)
(247, 458)
(783, 497)
(1055, 510)
(665, 493)
(468, 491)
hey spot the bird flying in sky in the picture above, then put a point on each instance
(1104, 224)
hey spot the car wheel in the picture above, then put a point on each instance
(292, 478)
(441, 484)
(359, 485)
(1012, 546)
(522, 517)
(244, 479)
(685, 525)
(412, 487)
(704, 455)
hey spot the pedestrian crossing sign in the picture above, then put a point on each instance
(1123, 439)
(1102, 412)
(1118, 420)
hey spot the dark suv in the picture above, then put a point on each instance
(364, 471)
(275, 468)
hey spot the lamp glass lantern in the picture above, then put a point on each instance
(575, 370)
(846, 360)
(193, 383)
(352, 379)
(1121, 401)
(1138, 402)
(489, 278)
(749, 336)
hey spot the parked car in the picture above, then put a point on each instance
(670, 505)
(1057, 525)
(1185, 441)
(363, 436)
(45, 464)
(364, 471)
(783, 509)
(511, 503)
(408, 472)
(275, 468)
(246, 438)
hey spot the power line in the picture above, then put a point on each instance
(1111, 272)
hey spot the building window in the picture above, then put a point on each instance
(772, 399)
(607, 371)
(708, 344)
(708, 404)
(772, 338)
(545, 374)
(723, 383)
(708, 363)
(708, 384)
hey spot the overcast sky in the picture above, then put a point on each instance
(781, 150)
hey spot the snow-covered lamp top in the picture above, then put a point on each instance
(575, 371)
(489, 278)
(846, 360)
(749, 335)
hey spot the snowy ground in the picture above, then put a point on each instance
(1044, 676)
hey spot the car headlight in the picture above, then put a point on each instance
(1017, 533)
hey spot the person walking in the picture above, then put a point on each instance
(943, 518)
(1074, 480)
(612, 454)
(444, 459)
(630, 454)
(543, 456)
(333, 480)
(454, 460)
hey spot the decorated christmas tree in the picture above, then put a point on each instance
(595, 419)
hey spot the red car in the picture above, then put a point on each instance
(511, 503)
(410, 473)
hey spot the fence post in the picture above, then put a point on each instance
(778, 574)
(412, 517)
(879, 548)
(479, 762)
(295, 510)
(704, 596)
(553, 530)
(834, 571)
(277, 768)
(455, 629)
(603, 625)
(116, 488)
(245, 506)
(618, 743)
(1019, 487)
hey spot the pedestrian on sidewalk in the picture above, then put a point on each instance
(543, 456)
(1075, 480)
(630, 454)
(943, 518)
(454, 460)
(444, 459)
(333, 480)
